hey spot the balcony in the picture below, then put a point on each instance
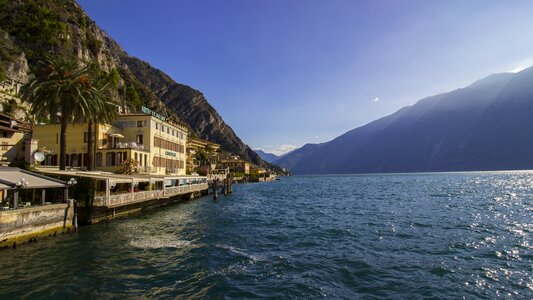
(127, 145)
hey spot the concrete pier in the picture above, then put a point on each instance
(26, 224)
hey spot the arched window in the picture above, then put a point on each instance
(73, 159)
(98, 162)
(67, 160)
(108, 159)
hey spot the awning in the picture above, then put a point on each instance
(9, 177)
(117, 135)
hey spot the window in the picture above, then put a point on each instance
(163, 128)
(168, 130)
(85, 137)
(145, 160)
(139, 123)
(74, 160)
(4, 145)
(108, 159)
(99, 159)
(4, 134)
(118, 158)
(140, 159)
(140, 139)
(156, 125)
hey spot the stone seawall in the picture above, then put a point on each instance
(26, 224)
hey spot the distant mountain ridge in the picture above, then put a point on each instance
(269, 157)
(485, 126)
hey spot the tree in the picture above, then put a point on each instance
(65, 89)
(133, 97)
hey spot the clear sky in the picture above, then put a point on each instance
(283, 73)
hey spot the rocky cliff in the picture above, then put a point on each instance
(32, 29)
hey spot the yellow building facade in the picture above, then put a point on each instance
(15, 137)
(156, 145)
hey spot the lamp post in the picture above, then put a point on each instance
(22, 183)
(70, 183)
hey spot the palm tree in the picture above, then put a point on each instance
(104, 112)
(63, 87)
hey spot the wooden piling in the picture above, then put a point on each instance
(226, 186)
(215, 195)
(230, 183)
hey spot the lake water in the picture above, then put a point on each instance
(370, 236)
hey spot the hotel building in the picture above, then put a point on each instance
(157, 145)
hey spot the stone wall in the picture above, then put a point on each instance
(26, 224)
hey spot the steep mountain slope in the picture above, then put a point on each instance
(485, 126)
(38, 28)
(269, 157)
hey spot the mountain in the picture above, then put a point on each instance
(269, 157)
(32, 29)
(485, 126)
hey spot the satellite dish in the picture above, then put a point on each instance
(39, 156)
(13, 123)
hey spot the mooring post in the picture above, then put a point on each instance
(231, 183)
(215, 196)
(225, 184)
(75, 217)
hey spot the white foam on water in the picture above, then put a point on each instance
(240, 252)
(159, 242)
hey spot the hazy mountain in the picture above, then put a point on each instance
(31, 29)
(269, 157)
(485, 126)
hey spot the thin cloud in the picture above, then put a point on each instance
(517, 69)
(375, 99)
(279, 149)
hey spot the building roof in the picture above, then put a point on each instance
(168, 120)
(10, 176)
(234, 161)
(198, 142)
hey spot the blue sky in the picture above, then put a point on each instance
(283, 73)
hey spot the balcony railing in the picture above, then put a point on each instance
(133, 197)
(130, 145)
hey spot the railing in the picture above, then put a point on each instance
(129, 198)
(147, 169)
(130, 145)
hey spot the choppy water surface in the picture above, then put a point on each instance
(393, 236)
